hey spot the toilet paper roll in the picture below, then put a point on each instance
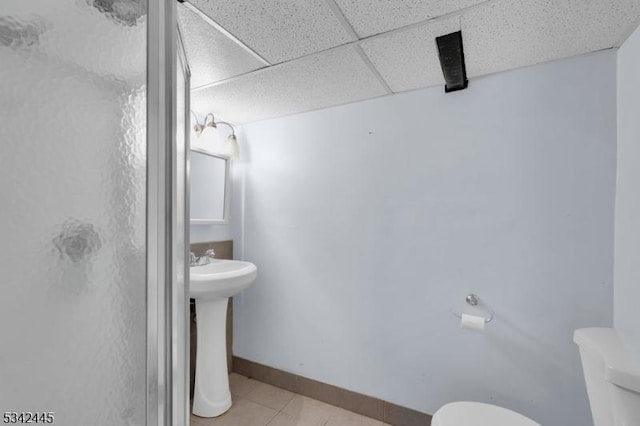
(472, 322)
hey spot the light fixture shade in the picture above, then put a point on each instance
(209, 137)
(231, 148)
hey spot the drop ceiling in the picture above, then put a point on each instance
(257, 59)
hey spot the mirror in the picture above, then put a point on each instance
(209, 187)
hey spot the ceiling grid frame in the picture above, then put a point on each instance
(357, 42)
(611, 19)
(280, 30)
(363, 56)
(226, 33)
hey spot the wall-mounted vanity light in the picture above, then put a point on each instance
(207, 134)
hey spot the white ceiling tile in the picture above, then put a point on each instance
(505, 34)
(497, 35)
(409, 59)
(370, 17)
(318, 81)
(278, 30)
(211, 55)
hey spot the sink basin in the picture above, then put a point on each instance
(221, 279)
(212, 285)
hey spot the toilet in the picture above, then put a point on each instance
(464, 413)
(613, 386)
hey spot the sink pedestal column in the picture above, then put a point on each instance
(211, 394)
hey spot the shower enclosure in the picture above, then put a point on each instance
(92, 213)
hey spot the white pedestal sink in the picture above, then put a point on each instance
(212, 285)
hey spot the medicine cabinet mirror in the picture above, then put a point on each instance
(209, 198)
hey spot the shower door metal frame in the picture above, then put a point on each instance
(181, 301)
(161, 125)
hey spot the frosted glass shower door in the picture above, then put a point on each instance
(73, 211)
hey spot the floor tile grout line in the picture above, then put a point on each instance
(271, 419)
(266, 406)
(294, 394)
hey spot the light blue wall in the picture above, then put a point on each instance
(204, 233)
(627, 245)
(371, 222)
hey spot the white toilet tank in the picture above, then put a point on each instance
(613, 381)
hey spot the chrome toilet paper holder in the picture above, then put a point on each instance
(474, 300)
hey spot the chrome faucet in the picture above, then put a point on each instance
(201, 260)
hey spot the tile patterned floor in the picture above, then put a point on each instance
(259, 404)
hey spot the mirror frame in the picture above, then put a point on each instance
(227, 190)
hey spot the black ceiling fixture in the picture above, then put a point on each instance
(452, 61)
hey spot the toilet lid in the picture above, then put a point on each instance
(478, 414)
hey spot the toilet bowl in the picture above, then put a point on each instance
(478, 414)
(613, 386)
